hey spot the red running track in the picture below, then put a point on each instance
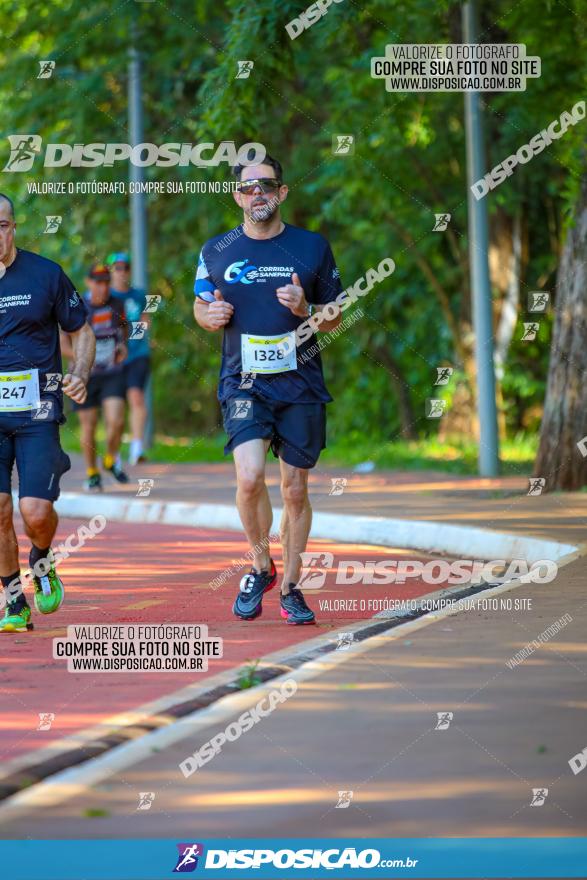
(135, 573)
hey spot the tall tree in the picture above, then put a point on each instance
(562, 456)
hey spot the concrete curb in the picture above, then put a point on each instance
(465, 542)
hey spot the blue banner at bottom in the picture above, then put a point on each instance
(285, 858)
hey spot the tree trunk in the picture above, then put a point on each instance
(402, 393)
(564, 424)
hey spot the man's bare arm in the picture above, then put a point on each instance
(326, 325)
(215, 315)
(83, 351)
(66, 346)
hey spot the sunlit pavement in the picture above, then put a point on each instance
(134, 573)
(500, 503)
(368, 727)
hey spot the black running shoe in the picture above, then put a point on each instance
(294, 609)
(119, 475)
(248, 604)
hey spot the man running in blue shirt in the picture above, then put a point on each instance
(36, 298)
(137, 366)
(260, 283)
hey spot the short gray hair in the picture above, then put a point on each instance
(10, 203)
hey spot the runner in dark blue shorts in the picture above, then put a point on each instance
(269, 285)
(36, 297)
(107, 384)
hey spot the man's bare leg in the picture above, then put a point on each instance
(252, 499)
(88, 419)
(113, 409)
(296, 521)
(8, 542)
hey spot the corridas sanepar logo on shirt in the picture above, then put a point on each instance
(246, 273)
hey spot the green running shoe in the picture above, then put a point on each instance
(16, 619)
(48, 592)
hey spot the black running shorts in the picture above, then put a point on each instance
(297, 431)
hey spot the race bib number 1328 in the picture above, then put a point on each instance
(268, 354)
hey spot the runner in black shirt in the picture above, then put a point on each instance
(261, 282)
(36, 297)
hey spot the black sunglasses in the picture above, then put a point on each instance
(265, 184)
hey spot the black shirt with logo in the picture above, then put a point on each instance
(36, 298)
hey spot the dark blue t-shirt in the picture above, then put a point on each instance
(247, 272)
(36, 297)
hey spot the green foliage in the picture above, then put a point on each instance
(409, 163)
(247, 676)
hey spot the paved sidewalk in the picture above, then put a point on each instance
(501, 504)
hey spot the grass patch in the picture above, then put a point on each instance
(247, 677)
(456, 456)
